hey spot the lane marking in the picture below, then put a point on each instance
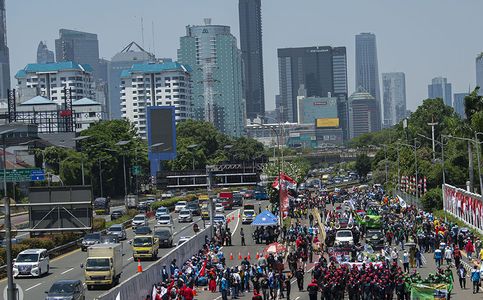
(66, 271)
(130, 258)
(297, 298)
(34, 286)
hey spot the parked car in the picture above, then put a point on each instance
(66, 290)
(179, 206)
(139, 220)
(90, 239)
(116, 214)
(117, 229)
(165, 220)
(185, 215)
(31, 262)
(161, 211)
(143, 230)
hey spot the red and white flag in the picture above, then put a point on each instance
(286, 180)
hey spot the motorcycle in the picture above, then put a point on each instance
(196, 228)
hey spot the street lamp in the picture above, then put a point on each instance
(123, 143)
(77, 139)
(11, 287)
(192, 147)
(415, 147)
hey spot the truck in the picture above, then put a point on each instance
(145, 246)
(226, 199)
(101, 205)
(131, 201)
(103, 265)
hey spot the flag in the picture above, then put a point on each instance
(290, 183)
(284, 203)
(203, 269)
(153, 294)
(118, 297)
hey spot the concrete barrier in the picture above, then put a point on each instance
(141, 284)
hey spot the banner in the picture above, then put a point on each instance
(420, 291)
(464, 205)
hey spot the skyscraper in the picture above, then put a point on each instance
(44, 55)
(131, 54)
(459, 104)
(78, 46)
(251, 46)
(367, 73)
(394, 97)
(4, 54)
(211, 51)
(362, 108)
(479, 72)
(440, 88)
(321, 70)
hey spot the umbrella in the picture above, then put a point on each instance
(274, 248)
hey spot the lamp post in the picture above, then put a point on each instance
(11, 287)
(77, 139)
(123, 143)
(192, 147)
(415, 147)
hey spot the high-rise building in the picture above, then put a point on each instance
(250, 18)
(4, 54)
(320, 70)
(394, 97)
(479, 72)
(49, 81)
(367, 73)
(155, 84)
(131, 54)
(362, 108)
(211, 51)
(44, 55)
(440, 88)
(459, 104)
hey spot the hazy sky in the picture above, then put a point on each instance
(423, 38)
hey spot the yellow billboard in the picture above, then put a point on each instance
(327, 122)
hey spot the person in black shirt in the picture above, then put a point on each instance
(313, 289)
(299, 274)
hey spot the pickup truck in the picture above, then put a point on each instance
(145, 246)
(103, 265)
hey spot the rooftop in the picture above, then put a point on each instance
(155, 68)
(38, 100)
(361, 94)
(85, 101)
(52, 67)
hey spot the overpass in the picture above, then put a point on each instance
(331, 156)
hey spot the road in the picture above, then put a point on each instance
(68, 265)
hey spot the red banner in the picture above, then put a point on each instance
(464, 205)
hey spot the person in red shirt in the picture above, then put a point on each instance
(256, 295)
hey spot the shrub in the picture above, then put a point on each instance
(118, 221)
(132, 212)
(98, 224)
(39, 243)
(432, 200)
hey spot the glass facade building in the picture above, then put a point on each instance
(440, 88)
(394, 97)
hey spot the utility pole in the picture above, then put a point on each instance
(432, 124)
(470, 166)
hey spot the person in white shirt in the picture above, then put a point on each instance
(448, 255)
(406, 261)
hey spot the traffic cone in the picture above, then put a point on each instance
(140, 268)
(249, 257)
(231, 256)
(233, 217)
(239, 216)
(239, 256)
(258, 256)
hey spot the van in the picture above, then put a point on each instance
(31, 262)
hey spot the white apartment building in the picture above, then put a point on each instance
(155, 84)
(49, 80)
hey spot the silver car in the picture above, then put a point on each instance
(117, 230)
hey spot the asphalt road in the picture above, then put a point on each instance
(68, 265)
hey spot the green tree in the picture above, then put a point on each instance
(363, 165)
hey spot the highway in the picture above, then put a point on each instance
(68, 266)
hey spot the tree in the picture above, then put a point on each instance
(363, 165)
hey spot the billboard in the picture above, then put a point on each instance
(62, 208)
(327, 122)
(161, 133)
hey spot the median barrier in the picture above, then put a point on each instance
(141, 284)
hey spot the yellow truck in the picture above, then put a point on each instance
(103, 265)
(145, 246)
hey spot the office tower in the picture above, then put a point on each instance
(321, 70)
(131, 54)
(459, 104)
(44, 55)
(367, 73)
(250, 18)
(49, 80)
(362, 111)
(211, 51)
(80, 47)
(4, 54)
(440, 88)
(394, 97)
(479, 72)
(155, 84)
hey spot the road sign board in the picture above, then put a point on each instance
(136, 170)
(20, 175)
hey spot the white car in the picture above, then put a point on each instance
(185, 215)
(161, 211)
(219, 219)
(139, 220)
(183, 239)
(31, 262)
(344, 238)
(179, 206)
(219, 208)
(165, 220)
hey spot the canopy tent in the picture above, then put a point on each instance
(265, 218)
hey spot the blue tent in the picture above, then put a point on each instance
(265, 218)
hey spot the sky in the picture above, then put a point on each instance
(422, 38)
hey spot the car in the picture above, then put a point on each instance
(248, 216)
(183, 239)
(90, 239)
(194, 207)
(31, 262)
(375, 238)
(165, 220)
(248, 194)
(219, 208)
(185, 215)
(143, 230)
(117, 229)
(344, 238)
(261, 195)
(150, 200)
(161, 211)
(116, 214)
(110, 239)
(66, 290)
(165, 237)
(139, 220)
(179, 206)
(219, 219)
(237, 199)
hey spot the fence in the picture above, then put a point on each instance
(409, 198)
(141, 284)
(466, 206)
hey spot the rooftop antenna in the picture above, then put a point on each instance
(142, 31)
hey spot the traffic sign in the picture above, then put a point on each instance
(20, 175)
(136, 170)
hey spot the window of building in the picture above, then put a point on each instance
(167, 91)
(78, 125)
(167, 78)
(62, 78)
(92, 114)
